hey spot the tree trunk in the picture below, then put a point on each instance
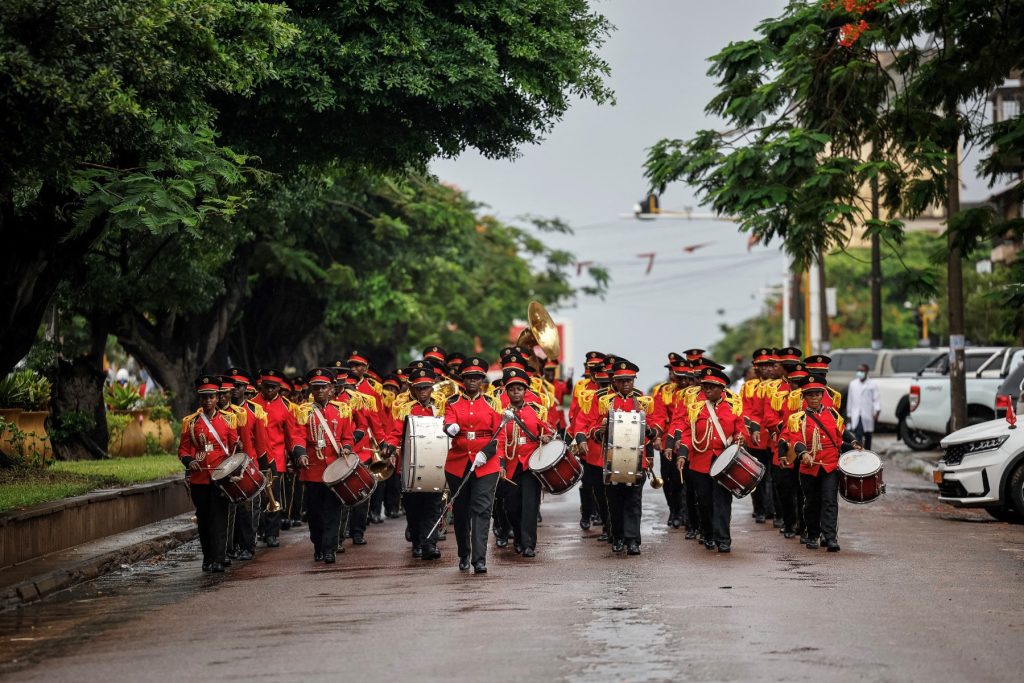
(876, 273)
(77, 398)
(825, 330)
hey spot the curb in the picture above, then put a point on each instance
(906, 460)
(56, 580)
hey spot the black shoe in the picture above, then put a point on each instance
(500, 532)
(812, 545)
(318, 556)
(296, 523)
(677, 523)
(358, 540)
(417, 553)
(216, 567)
(392, 514)
(786, 533)
(328, 558)
(206, 566)
(778, 523)
(245, 555)
(226, 562)
(709, 544)
(232, 554)
(618, 547)
(340, 549)
(753, 514)
(464, 564)
(408, 535)
(634, 548)
(832, 546)
(286, 524)
(479, 567)
(377, 518)
(540, 518)
(584, 523)
(501, 542)
(272, 542)
(529, 552)
(603, 536)
(724, 548)
(518, 548)
(760, 519)
(804, 540)
(596, 520)
(690, 534)
(430, 552)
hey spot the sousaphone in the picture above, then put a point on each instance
(540, 333)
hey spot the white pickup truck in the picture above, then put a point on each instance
(928, 416)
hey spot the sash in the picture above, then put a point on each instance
(214, 434)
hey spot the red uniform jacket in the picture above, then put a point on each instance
(198, 443)
(319, 449)
(577, 425)
(696, 432)
(753, 410)
(366, 422)
(514, 445)
(800, 429)
(283, 432)
(477, 422)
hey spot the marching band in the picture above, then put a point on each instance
(439, 442)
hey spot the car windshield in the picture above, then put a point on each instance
(849, 361)
(909, 363)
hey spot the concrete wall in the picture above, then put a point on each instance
(62, 524)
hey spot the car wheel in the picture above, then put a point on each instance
(916, 439)
(1015, 492)
(1005, 514)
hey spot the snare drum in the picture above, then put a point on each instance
(860, 476)
(737, 470)
(624, 447)
(424, 452)
(555, 467)
(239, 477)
(350, 480)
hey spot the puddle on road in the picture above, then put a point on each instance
(67, 619)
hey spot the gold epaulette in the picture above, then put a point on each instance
(796, 399)
(646, 403)
(401, 402)
(667, 393)
(540, 387)
(604, 403)
(241, 415)
(229, 417)
(690, 394)
(581, 386)
(360, 401)
(585, 400)
(345, 411)
(693, 410)
(658, 388)
(186, 422)
(778, 399)
(542, 411)
(258, 411)
(768, 388)
(490, 390)
(375, 385)
(837, 398)
(735, 402)
(795, 423)
(302, 411)
(750, 388)
(495, 403)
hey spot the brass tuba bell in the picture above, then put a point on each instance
(540, 332)
(380, 465)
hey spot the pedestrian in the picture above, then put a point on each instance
(863, 406)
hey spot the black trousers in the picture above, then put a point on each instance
(502, 523)
(625, 505)
(787, 483)
(522, 507)
(212, 517)
(693, 518)
(323, 513)
(393, 493)
(588, 506)
(377, 500)
(421, 511)
(472, 509)
(358, 516)
(715, 503)
(270, 522)
(861, 435)
(821, 505)
(243, 532)
(593, 478)
(763, 496)
(674, 490)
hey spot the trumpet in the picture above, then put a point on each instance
(656, 481)
(272, 504)
(380, 465)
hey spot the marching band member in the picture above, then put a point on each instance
(516, 443)
(664, 395)
(471, 421)
(252, 431)
(206, 440)
(283, 434)
(562, 388)
(763, 497)
(421, 509)
(588, 501)
(817, 435)
(700, 434)
(364, 416)
(592, 451)
(624, 500)
(783, 399)
(329, 434)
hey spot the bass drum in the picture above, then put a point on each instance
(737, 470)
(860, 477)
(424, 452)
(624, 447)
(555, 467)
(350, 480)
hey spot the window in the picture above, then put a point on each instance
(849, 361)
(909, 363)
(974, 361)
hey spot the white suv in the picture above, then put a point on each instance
(983, 466)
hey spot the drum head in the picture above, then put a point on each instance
(547, 455)
(229, 467)
(340, 468)
(860, 463)
(722, 461)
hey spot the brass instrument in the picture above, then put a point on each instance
(540, 332)
(272, 504)
(380, 465)
(656, 482)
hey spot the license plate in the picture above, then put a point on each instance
(937, 476)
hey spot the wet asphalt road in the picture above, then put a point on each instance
(920, 591)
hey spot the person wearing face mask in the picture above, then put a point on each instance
(863, 406)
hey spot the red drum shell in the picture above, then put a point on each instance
(561, 475)
(740, 473)
(860, 488)
(352, 483)
(250, 484)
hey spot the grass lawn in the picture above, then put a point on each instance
(24, 487)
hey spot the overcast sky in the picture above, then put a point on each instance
(589, 170)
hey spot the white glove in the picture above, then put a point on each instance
(480, 460)
(452, 430)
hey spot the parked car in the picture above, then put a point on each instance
(1010, 393)
(983, 466)
(893, 370)
(929, 406)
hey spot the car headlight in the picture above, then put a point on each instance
(954, 454)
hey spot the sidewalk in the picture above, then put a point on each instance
(35, 579)
(921, 463)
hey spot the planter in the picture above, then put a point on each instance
(10, 415)
(159, 430)
(33, 423)
(130, 443)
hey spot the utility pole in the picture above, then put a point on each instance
(955, 290)
(876, 273)
(825, 343)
